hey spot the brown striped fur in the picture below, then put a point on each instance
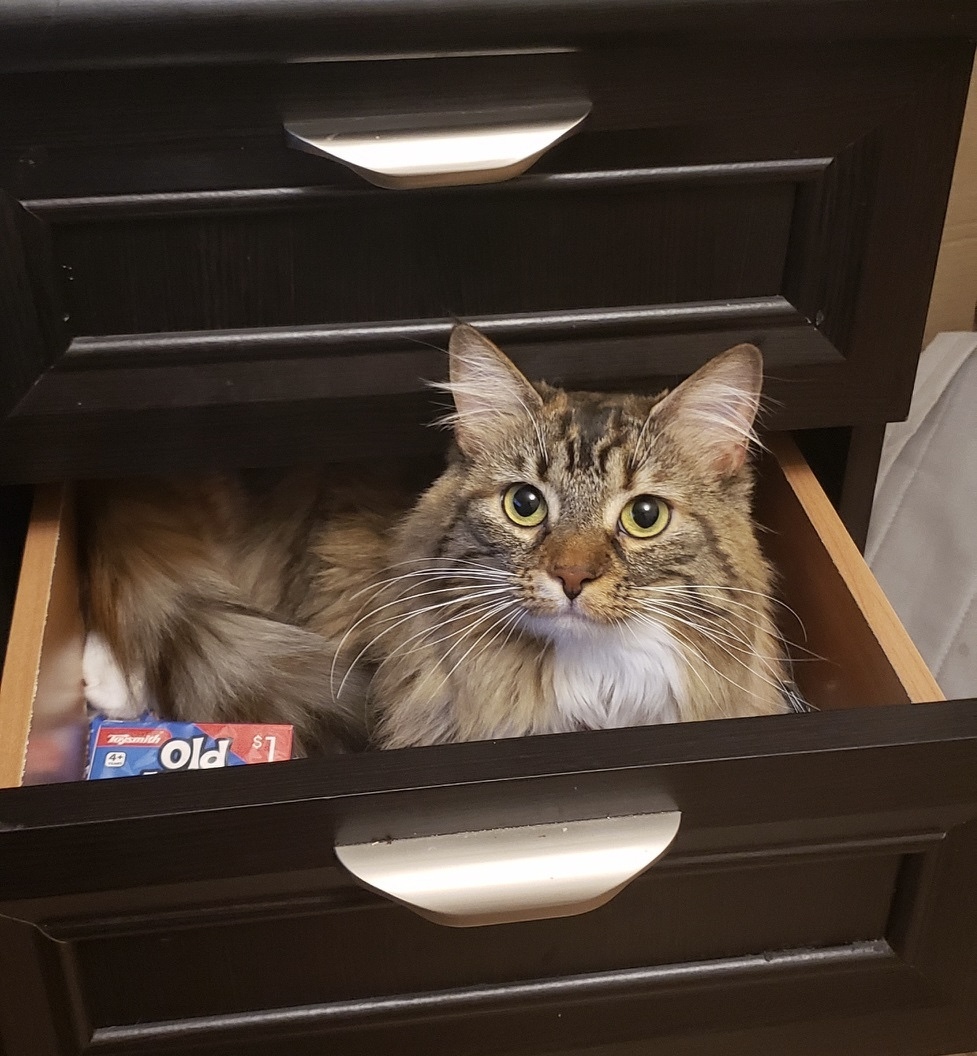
(328, 600)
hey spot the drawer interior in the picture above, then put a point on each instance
(850, 649)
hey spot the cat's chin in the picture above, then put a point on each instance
(568, 623)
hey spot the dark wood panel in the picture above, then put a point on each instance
(659, 920)
(797, 341)
(858, 487)
(573, 177)
(42, 34)
(539, 1017)
(915, 762)
(217, 128)
(391, 257)
(37, 1013)
(821, 843)
(31, 323)
(270, 431)
(816, 185)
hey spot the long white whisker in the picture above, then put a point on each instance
(499, 612)
(397, 601)
(720, 624)
(717, 642)
(688, 644)
(410, 615)
(688, 587)
(683, 641)
(398, 622)
(689, 593)
(427, 631)
(433, 573)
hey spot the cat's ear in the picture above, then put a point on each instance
(488, 390)
(712, 412)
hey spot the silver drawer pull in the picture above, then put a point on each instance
(499, 876)
(448, 154)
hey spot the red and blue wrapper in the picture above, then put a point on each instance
(131, 747)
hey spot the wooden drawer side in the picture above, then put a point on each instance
(41, 688)
(856, 652)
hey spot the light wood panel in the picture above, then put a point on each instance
(867, 658)
(43, 662)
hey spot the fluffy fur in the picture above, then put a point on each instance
(344, 607)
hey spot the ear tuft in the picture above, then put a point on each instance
(489, 392)
(713, 412)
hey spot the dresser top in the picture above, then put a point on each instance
(53, 34)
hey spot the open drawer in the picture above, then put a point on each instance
(819, 896)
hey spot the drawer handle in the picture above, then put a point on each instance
(499, 876)
(431, 151)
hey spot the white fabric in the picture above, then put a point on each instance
(922, 541)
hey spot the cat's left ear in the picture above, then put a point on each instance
(712, 412)
(490, 393)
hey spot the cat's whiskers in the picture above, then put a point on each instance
(687, 644)
(398, 622)
(721, 633)
(426, 632)
(688, 588)
(503, 613)
(663, 612)
(488, 592)
(405, 581)
(402, 598)
(721, 623)
(689, 592)
(409, 593)
(495, 575)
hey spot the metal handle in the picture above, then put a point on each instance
(499, 876)
(430, 150)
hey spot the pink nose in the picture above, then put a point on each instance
(573, 578)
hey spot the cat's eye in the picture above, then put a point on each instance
(645, 517)
(524, 505)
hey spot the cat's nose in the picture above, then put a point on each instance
(573, 578)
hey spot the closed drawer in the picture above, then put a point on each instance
(818, 896)
(184, 289)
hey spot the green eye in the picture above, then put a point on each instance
(524, 505)
(645, 517)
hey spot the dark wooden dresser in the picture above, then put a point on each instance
(211, 254)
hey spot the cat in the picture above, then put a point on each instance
(584, 561)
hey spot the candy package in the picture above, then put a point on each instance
(129, 747)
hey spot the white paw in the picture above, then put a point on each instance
(106, 687)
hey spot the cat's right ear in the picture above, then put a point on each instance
(488, 390)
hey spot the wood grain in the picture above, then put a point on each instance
(33, 36)
(209, 275)
(869, 657)
(43, 663)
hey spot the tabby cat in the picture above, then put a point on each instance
(584, 561)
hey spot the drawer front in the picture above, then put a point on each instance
(819, 896)
(183, 289)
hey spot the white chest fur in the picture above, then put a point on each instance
(607, 677)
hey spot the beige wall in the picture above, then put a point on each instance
(952, 306)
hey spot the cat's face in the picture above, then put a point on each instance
(584, 506)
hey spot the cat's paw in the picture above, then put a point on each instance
(106, 688)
